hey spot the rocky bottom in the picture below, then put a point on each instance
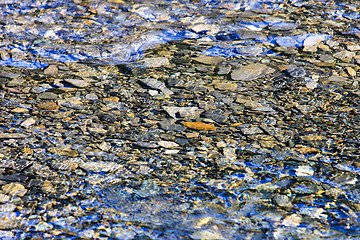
(191, 141)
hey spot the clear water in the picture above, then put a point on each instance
(194, 200)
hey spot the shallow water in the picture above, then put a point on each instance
(220, 185)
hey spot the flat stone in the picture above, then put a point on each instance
(20, 110)
(77, 83)
(13, 135)
(224, 70)
(9, 75)
(304, 109)
(251, 72)
(168, 144)
(338, 80)
(353, 47)
(48, 106)
(47, 96)
(283, 26)
(4, 198)
(216, 115)
(141, 144)
(155, 62)
(296, 71)
(314, 39)
(249, 130)
(170, 125)
(208, 60)
(345, 56)
(7, 207)
(155, 84)
(100, 166)
(199, 126)
(225, 86)
(74, 103)
(15, 82)
(182, 112)
(14, 189)
(258, 107)
(51, 70)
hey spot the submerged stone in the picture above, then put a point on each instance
(251, 72)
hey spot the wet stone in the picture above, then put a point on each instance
(7, 207)
(51, 70)
(283, 200)
(17, 177)
(170, 125)
(216, 114)
(100, 166)
(12, 135)
(223, 85)
(182, 112)
(249, 130)
(251, 72)
(283, 26)
(14, 189)
(4, 198)
(155, 62)
(150, 145)
(167, 144)
(155, 84)
(199, 126)
(77, 83)
(208, 60)
(345, 56)
(226, 119)
(296, 72)
(47, 96)
(107, 118)
(224, 70)
(15, 82)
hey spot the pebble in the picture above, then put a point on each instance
(312, 40)
(353, 47)
(141, 144)
(13, 135)
(225, 86)
(292, 220)
(208, 60)
(155, 84)
(7, 207)
(100, 166)
(251, 72)
(115, 115)
(48, 96)
(28, 122)
(4, 198)
(14, 189)
(249, 130)
(155, 62)
(15, 82)
(345, 56)
(48, 106)
(296, 72)
(168, 144)
(51, 70)
(283, 26)
(303, 171)
(182, 112)
(77, 83)
(199, 126)
(216, 114)
(258, 107)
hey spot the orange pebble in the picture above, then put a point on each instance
(199, 126)
(48, 106)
